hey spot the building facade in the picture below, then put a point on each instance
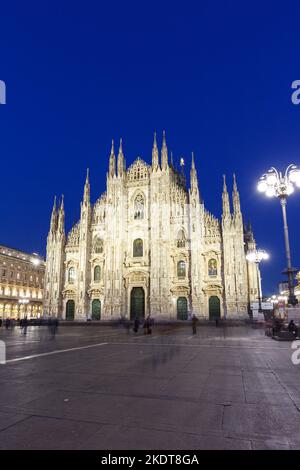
(149, 246)
(21, 284)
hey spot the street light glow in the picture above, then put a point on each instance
(256, 256)
(262, 186)
(274, 183)
(295, 175)
(270, 191)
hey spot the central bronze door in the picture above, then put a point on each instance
(182, 308)
(70, 310)
(96, 309)
(214, 308)
(137, 303)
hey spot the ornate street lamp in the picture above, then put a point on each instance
(256, 256)
(274, 183)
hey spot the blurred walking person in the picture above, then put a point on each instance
(136, 325)
(25, 325)
(194, 323)
(149, 325)
(54, 326)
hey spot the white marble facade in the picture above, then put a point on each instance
(149, 246)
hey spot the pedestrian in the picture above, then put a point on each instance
(145, 326)
(0, 322)
(54, 327)
(277, 326)
(293, 328)
(25, 325)
(136, 325)
(7, 323)
(194, 324)
(149, 325)
(217, 322)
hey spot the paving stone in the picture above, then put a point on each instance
(39, 433)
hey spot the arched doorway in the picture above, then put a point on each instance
(182, 310)
(214, 308)
(96, 309)
(137, 303)
(70, 310)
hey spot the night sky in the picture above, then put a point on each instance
(215, 75)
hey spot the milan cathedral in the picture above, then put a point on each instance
(149, 246)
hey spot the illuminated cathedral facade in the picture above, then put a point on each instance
(149, 246)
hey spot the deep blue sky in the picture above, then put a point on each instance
(215, 75)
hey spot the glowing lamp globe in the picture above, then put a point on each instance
(290, 189)
(270, 192)
(271, 178)
(294, 175)
(262, 186)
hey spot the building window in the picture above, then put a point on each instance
(139, 207)
(181, 239)
(97, 273)
(181, 269)
(212, 267)
(138, 247)
(71, 275)
(98, 245)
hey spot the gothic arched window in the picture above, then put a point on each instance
(181, 239)
(71, 275)
(181, 270)
(138, 247)
(97, 273)
(212, 267)
(98, 245)
(139, 207)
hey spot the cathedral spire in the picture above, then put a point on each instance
(249, 227)
(155, 163)
(87, 190)
(61, 216)
(248, 233)
(164, 153)
(225, 199)
(171, 160)
(193, 177)
(53, 222)
(235, 198)
(193, 162)
(121, 160)
(112, 161)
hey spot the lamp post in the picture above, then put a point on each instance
(256, 256)
(274, 183)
